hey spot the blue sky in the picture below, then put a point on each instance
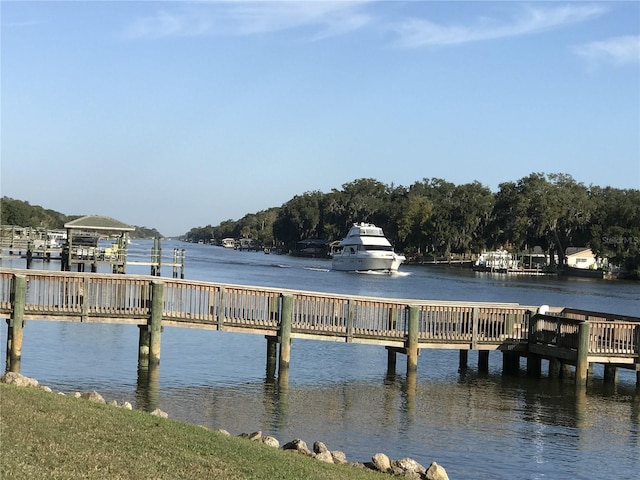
(181, 114)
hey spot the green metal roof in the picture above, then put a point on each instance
(96, 222)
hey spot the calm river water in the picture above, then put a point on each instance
(476, 425)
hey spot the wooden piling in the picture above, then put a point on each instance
(412, 340)
(175, 263)
(555, 366)
(159, 253)
(8, 349)
(155, 321)
(144, 340)
(272, 355)
(29, 255)
(510, 363)
(182, 265)
(534, 365)
(463, 360)
(391, 360)
(582, 360)
(483, 361)
(350, 310)
(610, 374)
(286, 320)
(16, 323)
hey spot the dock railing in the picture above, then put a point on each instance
(573, 337)
(90, 297)
(611, 338)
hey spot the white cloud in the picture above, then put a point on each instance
(618, 51)
(421, 33)
(249, 18)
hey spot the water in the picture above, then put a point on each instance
(477, 425)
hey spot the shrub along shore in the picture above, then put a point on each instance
(49, 436)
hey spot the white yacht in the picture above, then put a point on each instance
(365, 248)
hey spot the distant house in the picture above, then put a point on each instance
(583, 257)
(246, 244)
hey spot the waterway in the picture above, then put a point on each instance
(477, 425)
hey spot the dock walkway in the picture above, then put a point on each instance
(564, 337)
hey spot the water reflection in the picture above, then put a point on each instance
(148, 387)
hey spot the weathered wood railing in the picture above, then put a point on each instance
(574, 336)
(127, 299)
(609, 335)
(582, 338)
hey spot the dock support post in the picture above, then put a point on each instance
(16, 324)
(555, 366)
(412, 340)
(286, 320)
(534, 362)
(483, 361)
(155, 321)
(29, 255)
(582, 360)
(175, 263)
(510, 363)
(610, 374)
(8, 350)
(463, 360)
(144, 341)
(272, 355)
(154, 257)
(159, 253)
(534, 365)
(182, 265)
(391, 360)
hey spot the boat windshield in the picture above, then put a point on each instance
(386, 248)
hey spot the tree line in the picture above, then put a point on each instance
(436, 218)
(22, 214)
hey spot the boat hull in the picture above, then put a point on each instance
(357, 263)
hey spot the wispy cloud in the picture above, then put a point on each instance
(423, 33)
(22, 24)
(617, 51)
(237, 18)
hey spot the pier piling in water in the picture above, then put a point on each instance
(285, 333)
(582, 361)
(16, 324)
(412, 340)
(155, 321)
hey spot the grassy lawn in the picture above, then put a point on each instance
(50, 436)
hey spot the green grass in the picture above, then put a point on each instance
(50, 436)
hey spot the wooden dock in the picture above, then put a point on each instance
(567, 338)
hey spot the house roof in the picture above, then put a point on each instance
(98, 223)
(579, 252)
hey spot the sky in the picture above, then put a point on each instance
(180, 114)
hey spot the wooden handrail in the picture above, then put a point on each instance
(127, 298)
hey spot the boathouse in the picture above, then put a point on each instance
(82, 249)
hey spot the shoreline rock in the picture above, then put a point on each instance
(404, 467)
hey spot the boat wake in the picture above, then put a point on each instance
(384, 273)
(317, 269)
